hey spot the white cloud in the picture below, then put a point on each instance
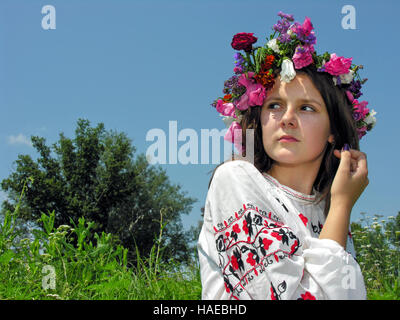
(19, 139)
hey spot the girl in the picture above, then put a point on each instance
(277, 227)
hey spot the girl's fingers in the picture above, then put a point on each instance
(358, 160)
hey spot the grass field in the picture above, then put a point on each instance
(48, 266)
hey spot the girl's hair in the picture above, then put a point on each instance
(341, 124)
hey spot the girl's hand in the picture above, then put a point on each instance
(351, 177)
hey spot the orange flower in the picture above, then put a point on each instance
(265, 76)
(227, 97)
(268, 61)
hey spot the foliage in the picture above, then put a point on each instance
(88, 270)
(377, 244)
(96, 176)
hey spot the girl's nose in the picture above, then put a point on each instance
(289, 118)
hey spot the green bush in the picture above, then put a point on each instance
(377, 243)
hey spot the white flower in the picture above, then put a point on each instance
(227, 120)
(370, 119)
(272, 44)
(345, 78)
(348, 77)
(288, 73)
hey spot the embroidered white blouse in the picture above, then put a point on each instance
(260, 240)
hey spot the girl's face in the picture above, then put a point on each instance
(296, 109)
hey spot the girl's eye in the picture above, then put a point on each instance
(275, 105)
(312, 109)
(272, 105)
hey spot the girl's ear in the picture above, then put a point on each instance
(331, 139)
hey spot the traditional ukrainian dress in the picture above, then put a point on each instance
(260, 240)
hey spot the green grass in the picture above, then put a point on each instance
(88, 270)
(98, 269)
(95, 269)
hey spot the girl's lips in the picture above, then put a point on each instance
(288, 140)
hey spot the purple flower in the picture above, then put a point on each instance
(284, 38)
(355, 87)
(303, 32)
(239, 60)
(357, 116)
(282, 26)
(230, 83)
(285, 16)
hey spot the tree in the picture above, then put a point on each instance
(96, 176)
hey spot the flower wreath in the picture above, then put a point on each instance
(292, 49)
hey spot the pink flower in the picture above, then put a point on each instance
(350, 96)
(361, 132)
(234, 135)
(303, 56)
(255, 92)
(307, 26)
(338, 65)
(238, 70)
(226, 109)
(361, 107)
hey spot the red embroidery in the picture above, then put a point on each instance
(236, 228)
(276, 235)
(245, 229)
(294, 247)
(273, 297)
(304, 219)
(250, 259)
(245, 255)
(266, 243)
(307, 296)
(234, 263)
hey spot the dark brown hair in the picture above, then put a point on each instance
(341, 124)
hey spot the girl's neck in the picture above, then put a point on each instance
(294, 177)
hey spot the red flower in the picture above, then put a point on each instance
(250, 259)
(307, 296)
(304, 219)
(234, 263)
(243, 41)
(236, 228)
(266, 243)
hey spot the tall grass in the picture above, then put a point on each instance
(377, 242)
(49, 266)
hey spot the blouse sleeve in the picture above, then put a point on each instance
(246, 251)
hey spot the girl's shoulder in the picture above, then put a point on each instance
(235, 170)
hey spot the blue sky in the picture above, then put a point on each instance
(136, 65)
